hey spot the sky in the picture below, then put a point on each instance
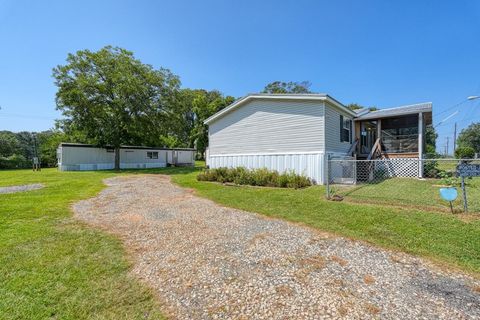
(375, 53)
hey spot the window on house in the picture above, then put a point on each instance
(152, 155)
(345, 129)
(110, 150)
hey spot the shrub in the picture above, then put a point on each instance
(464, 153)
(255, 177)
(14, 161)
(430, 168)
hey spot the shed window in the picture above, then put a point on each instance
(152, 155)
(345, 129)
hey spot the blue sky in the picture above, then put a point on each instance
(376, 53)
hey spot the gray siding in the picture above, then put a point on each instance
(79, 155)
(332, 130)
(76, 155)
(269, 126)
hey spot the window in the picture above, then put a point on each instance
(345, 129)
(110, 150)
(152, 155)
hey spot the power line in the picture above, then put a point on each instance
(13, 115)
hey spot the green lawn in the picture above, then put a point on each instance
(420, 193)
(54, 267)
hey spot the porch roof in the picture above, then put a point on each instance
(398, 111)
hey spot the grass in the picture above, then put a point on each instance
(54, 267)
(419, 193)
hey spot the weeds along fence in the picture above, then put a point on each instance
(401, 181)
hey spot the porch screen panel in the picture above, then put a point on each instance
(400, 134)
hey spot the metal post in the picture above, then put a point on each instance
(327, 175)
(420, 145)
(465, 206)
(355, 171)
(455, 139)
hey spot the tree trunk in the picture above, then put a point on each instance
(117, 158)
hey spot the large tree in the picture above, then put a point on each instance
(205, 104)
(48, 142)
(470, 137)
(287, 87)
(113, 98)
(193, 107)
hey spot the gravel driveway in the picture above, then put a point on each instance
(205, 261)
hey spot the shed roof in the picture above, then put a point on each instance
(398, 111)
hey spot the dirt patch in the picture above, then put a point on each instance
(22, 188)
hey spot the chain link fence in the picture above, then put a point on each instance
(402, 182)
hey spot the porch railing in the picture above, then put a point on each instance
(400, 143)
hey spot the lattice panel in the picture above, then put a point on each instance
(350, 171)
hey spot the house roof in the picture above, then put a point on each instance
(267, 96)
(360, 114)
(398, 111)
(81, 145)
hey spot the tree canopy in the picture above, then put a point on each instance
(288, 87)
(113, 98)
(470, 137)
(430, 140)
(9, 143)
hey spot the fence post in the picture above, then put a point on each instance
(420, 145)
(327, 175)
(355, 171)
(465, 205)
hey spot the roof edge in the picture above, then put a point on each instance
(82, 145)
(285, 96)
(410, 109)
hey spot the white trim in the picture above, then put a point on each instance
(420, 144)
(305, 97)
(324, 126)
(264, 153)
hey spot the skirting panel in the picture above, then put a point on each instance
(311, 165)
(109, 166)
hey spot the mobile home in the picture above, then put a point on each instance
(300, 131)
(74, 157)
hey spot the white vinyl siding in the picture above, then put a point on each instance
(310, 165)
(333, 143)
(269, 126)
(88, 158)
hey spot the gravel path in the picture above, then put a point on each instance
(205, 261)
(26, 187)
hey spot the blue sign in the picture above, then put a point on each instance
(468, 170)
(448, 194)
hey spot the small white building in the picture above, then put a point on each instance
(299, 131)
(74, 157)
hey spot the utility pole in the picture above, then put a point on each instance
(446, 153)
(455, 139)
